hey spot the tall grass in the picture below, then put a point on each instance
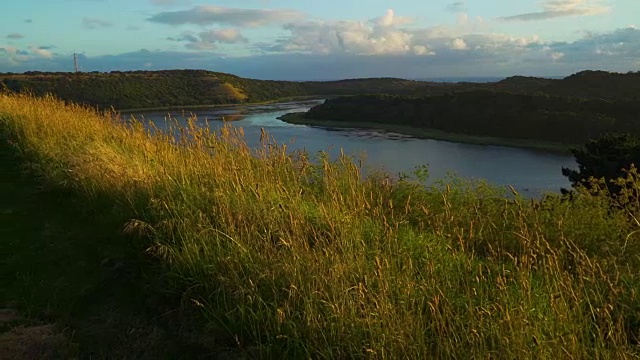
(294, 258)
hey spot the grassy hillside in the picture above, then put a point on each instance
(284, 257)
(124, 90)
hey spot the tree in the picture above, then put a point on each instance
(606, 157)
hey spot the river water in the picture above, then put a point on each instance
(530, 172)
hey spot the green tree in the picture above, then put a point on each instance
(606, 157)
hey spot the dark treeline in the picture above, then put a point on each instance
(183, 88)
(490, 113)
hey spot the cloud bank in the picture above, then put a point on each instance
(485, 55)
(388, 45)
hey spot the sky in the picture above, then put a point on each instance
(324, 39)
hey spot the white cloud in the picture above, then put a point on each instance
(423, 50)
(43, 53)
(209, 14)
(386, 35)
(458, 44)
(15, 55)
(391, 19)
(208, 40)
(561, 8)
(557, 56)
(228, 36)
(377, 36)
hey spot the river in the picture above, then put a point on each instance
(530, 172)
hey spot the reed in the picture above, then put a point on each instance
(291, 256)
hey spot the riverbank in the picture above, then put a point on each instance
(282, 257)
(421, 133)
(223, 106)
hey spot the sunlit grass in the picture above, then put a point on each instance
(294, 257)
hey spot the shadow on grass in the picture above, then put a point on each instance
(69, 264)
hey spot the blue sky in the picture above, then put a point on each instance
(329, 39)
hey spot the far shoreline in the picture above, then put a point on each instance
(220, 106)
(298, 118)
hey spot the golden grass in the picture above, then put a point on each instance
(294, 257)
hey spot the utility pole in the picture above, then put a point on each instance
(75, 62)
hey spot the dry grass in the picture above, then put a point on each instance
(295, 257)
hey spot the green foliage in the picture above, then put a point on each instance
(608, 158)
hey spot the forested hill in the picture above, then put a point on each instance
(586, 84)
(149, 89)
(175, 88)
(184, 88)
(568, 120)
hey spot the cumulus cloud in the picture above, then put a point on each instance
(15, 36)
(228, 36)
(207, 40)
(423, 50)
(560, 8)
(11, 55)
(458, 44)
(208, 14)
(42, 52)
(377, 36)
(385, 35)
(93, 23)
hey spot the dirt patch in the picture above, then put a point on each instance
(25, 342)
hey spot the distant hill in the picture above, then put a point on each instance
(488, 113)
(597, 84)
(185, 88)
(523, 84)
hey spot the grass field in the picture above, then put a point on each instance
(282, 256)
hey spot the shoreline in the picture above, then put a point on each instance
(431, 134)
(218, 106)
